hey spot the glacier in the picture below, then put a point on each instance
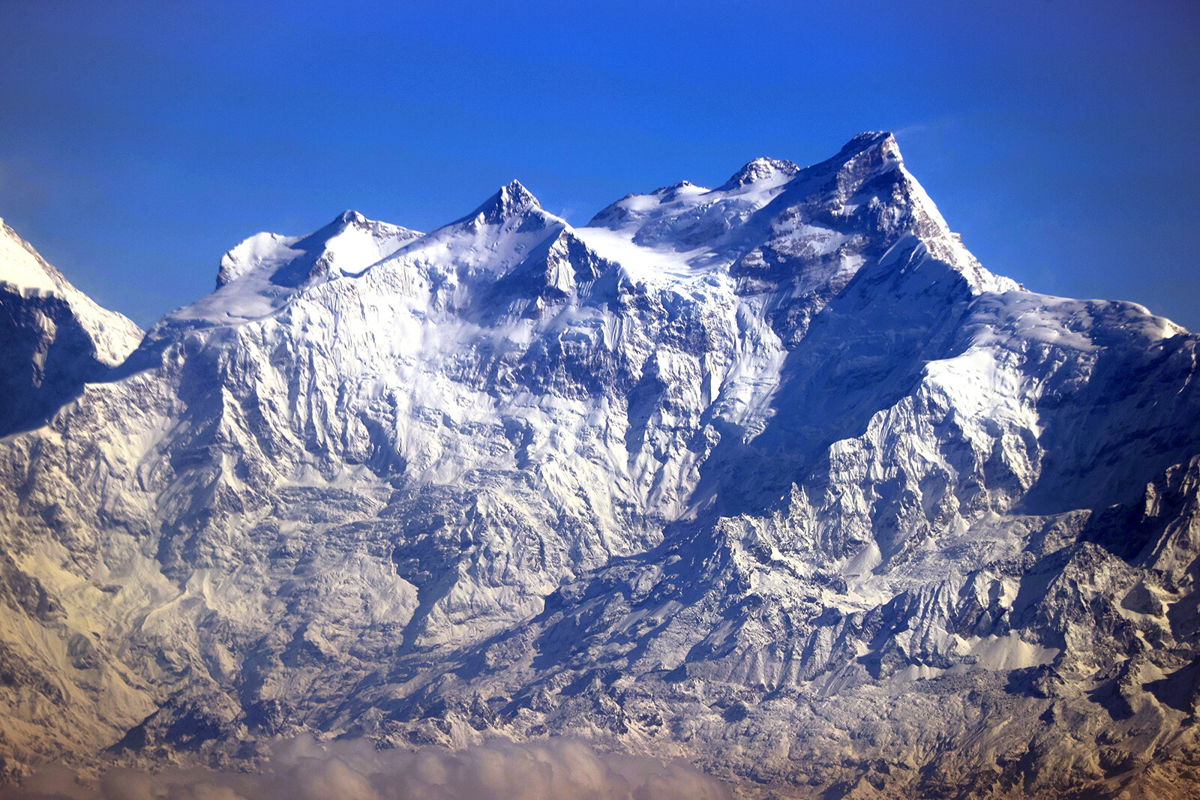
(774, 477)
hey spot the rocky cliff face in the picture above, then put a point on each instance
(774, 476)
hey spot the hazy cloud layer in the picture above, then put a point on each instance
(305, 770)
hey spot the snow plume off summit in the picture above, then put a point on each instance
(774, 477)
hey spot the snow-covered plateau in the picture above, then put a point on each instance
(774, 477)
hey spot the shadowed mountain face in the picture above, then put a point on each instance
(53, 338)
(775, 477)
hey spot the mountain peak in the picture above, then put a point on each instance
(24, 273)
(273, 251)
(882, 143)
(510, 201)
(761, 170)
(516, 192)
(252, 252)
(22, 267)
(351, 217)
(675, 188)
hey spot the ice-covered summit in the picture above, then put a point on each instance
(291, 261)
(262, 273)
(758, 172)
(511, 200)
(23, 271)
(53, 337)
(789, 231)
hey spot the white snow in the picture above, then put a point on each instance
(21, 268)
(254, 278)
(661, 264)
(113, 335)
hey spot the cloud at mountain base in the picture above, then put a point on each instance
(302, 769)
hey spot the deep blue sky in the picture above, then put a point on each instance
(139, 141)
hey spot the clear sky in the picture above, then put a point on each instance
(140, 140)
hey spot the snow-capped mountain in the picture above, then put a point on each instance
(773, 476)
(54, 336)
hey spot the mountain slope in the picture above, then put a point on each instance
(774, 476)
(54, 336)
